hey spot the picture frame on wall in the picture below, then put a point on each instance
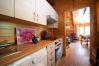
(24, 35)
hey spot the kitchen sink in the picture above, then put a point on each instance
(4, 52)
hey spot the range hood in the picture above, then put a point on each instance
(50, 20)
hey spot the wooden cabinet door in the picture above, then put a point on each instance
(7, 7)
(40, 12)
(25, 9)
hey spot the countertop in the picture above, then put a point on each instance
(25, 49)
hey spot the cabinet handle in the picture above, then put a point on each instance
(33, 62)
(37, 17)
(34, 16)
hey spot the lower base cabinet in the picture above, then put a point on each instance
(51, 54)
(38, 58)
(43, 57)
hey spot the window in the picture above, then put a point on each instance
(85, 30)
(81, 30)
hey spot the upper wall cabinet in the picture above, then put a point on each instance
(25, 9)
(48, 8)
(7, 7)
(30, 10)
(51, 11)
(40, 12)
(53, 14)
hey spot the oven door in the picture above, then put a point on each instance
(58, 54)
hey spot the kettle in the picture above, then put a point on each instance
(43, 35)
(34, 40)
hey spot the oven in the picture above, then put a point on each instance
(58, 50)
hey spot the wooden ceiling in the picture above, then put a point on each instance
(70, 4)
(52, 2)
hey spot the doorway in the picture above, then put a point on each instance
(78, 22)
(81, 20)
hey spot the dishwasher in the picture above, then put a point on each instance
(58, 50)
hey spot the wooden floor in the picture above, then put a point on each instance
(76, 55)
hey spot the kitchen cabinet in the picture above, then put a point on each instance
(26, 61)
(25, 9)
(50, 11)
(51, 54)
(30, 10)
(7, 7)
(40, 12)
(48, 8)
(38, 58)
(41, 19)
(53, 13)
(35, 11)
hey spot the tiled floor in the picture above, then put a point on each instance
(76, 55)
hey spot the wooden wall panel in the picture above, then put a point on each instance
(68, 5)
(97, 24)
(69, 31)
(8, 25)
(97, 6)
(80, 4)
